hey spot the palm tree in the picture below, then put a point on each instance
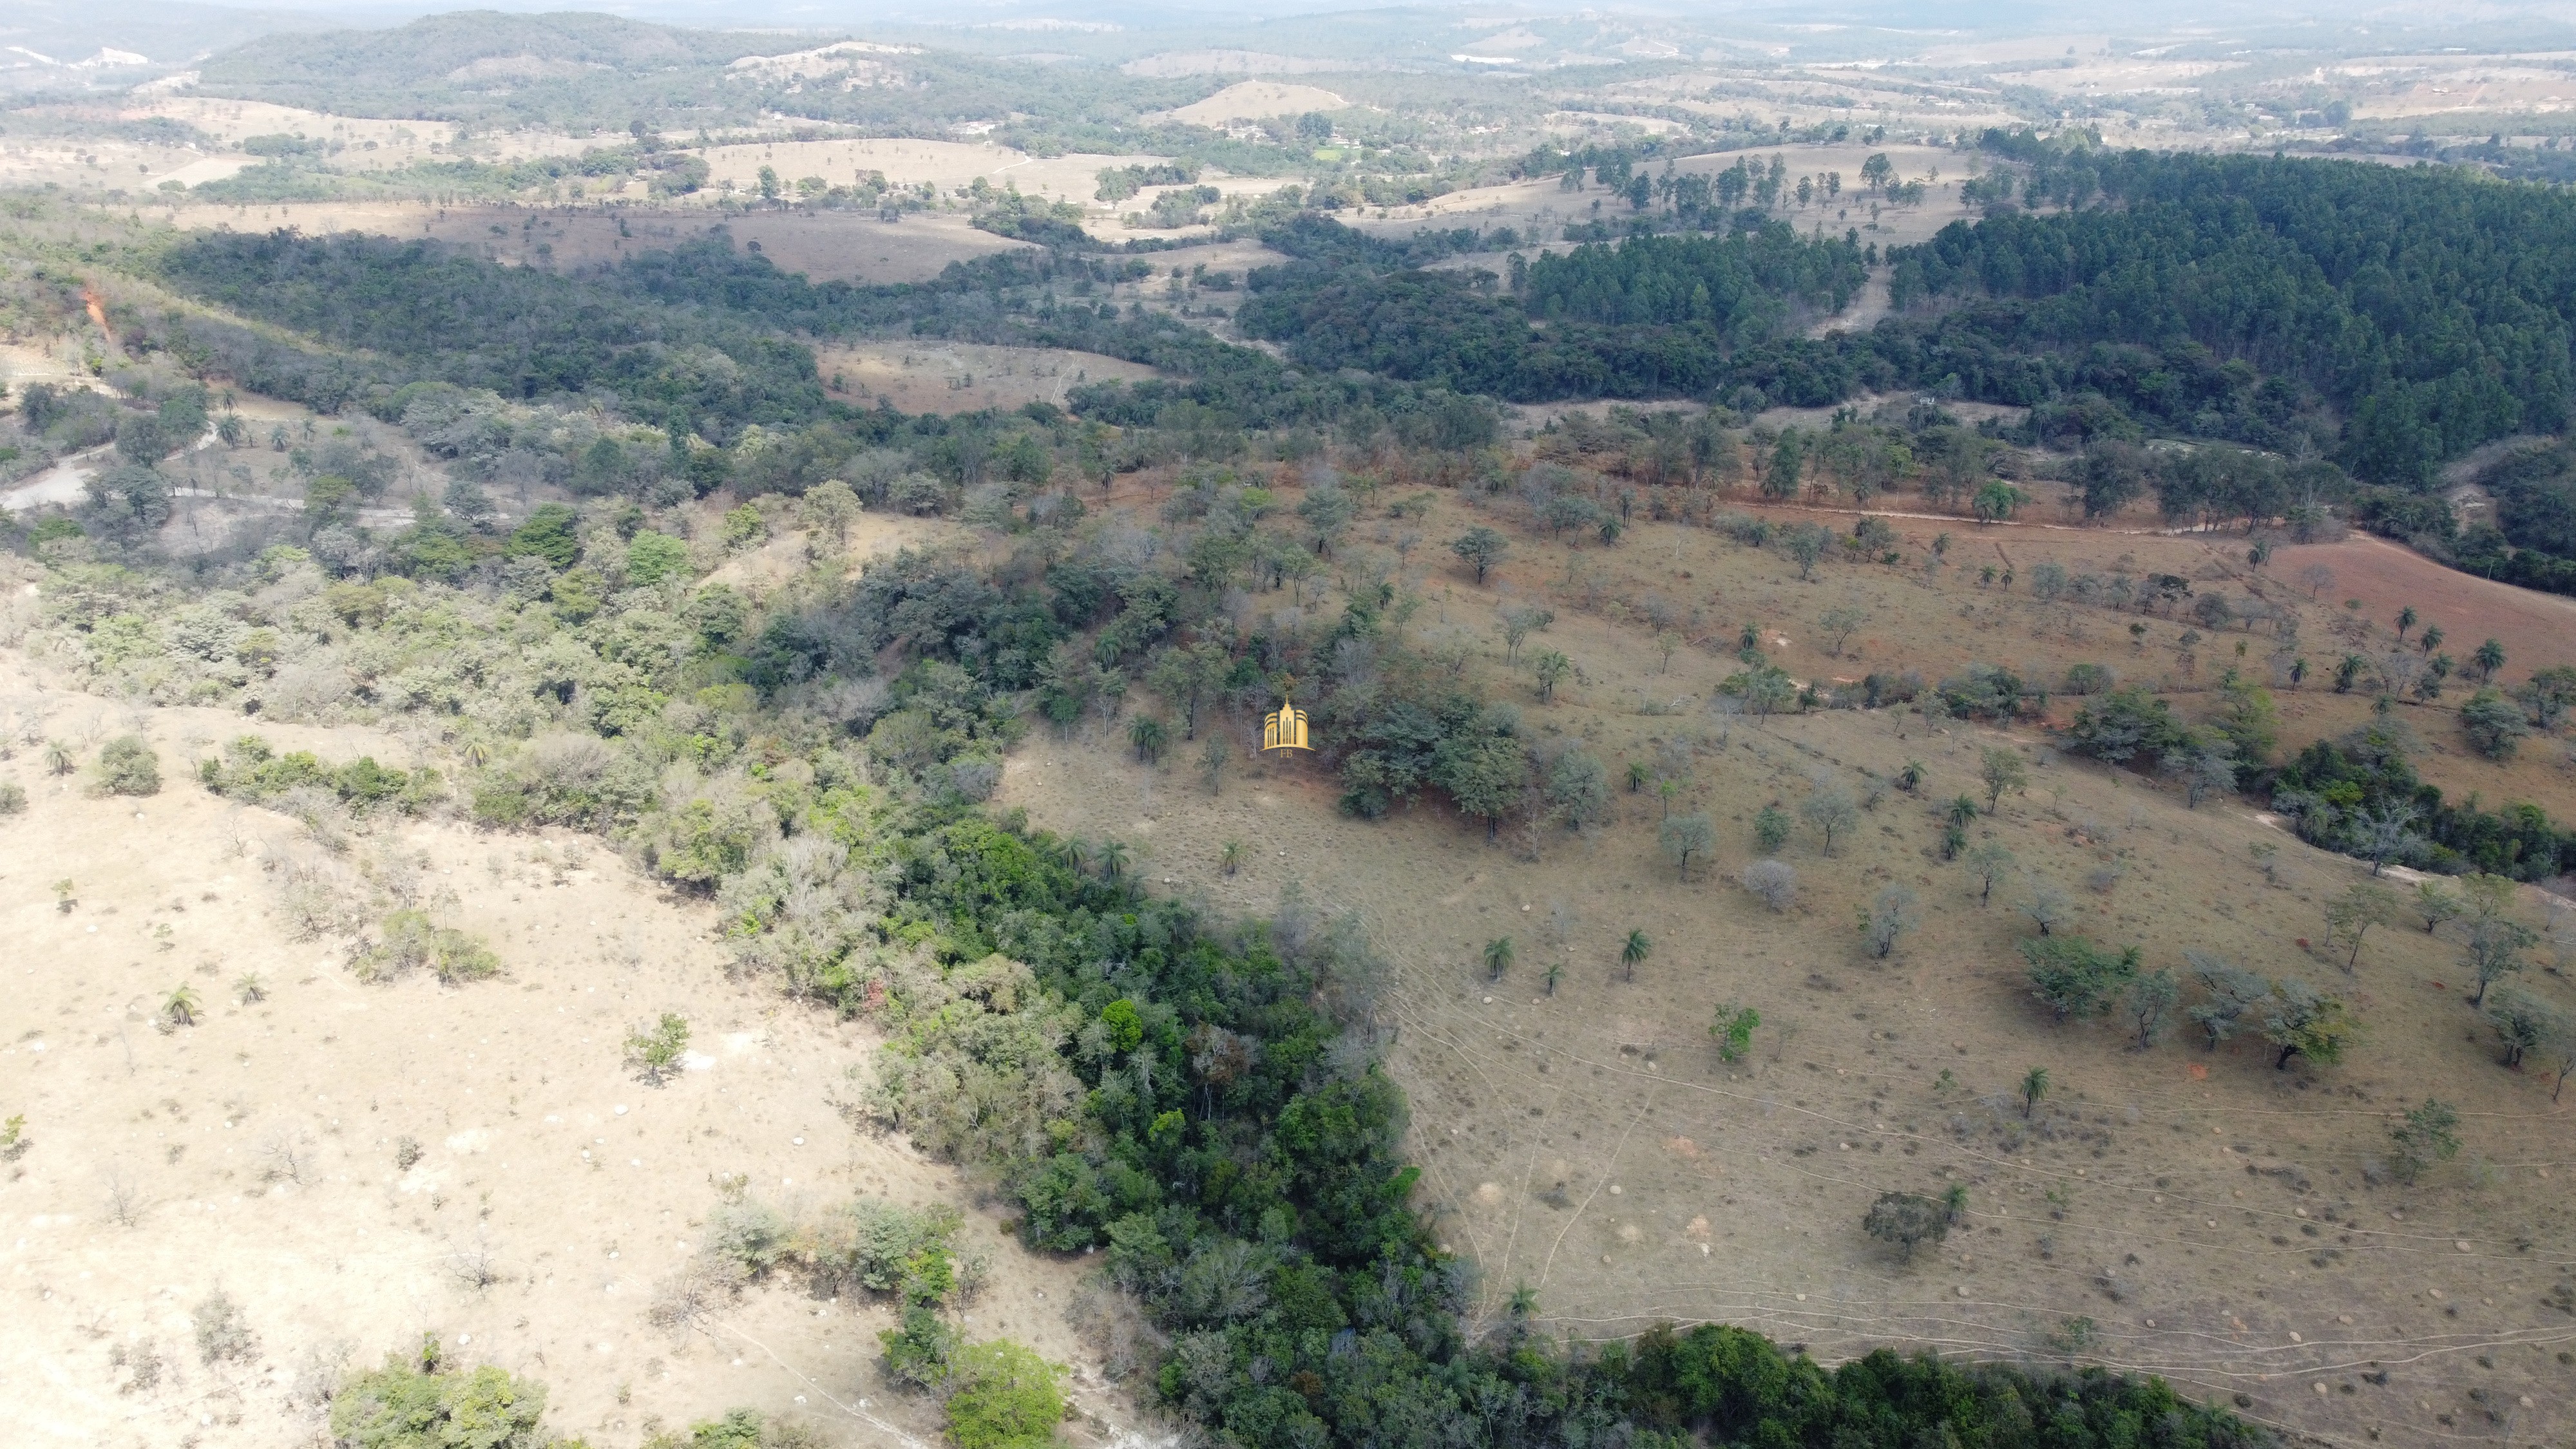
(1633, 950)
(1638, 775)
(1147, 735)
(2033, 1087)
(181, 1005)
(2405, 621)
(1230, 859)
(1498, 957)
(1076, 853)
(1910, 776)
(2489, 659)
(58, 758)
(1555, 971)
(1113, 860)
(1963, 809)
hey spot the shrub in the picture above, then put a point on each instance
(652, 557)
(426, 1405)
(222, 1331)
(128, 766)
(2429, 1134)
(654, 1053)
(13, 797)
(1774, 882)
(1005, 1397)
(2493, 724)
(412, 940)
(1906, 1219)
(2075, 976)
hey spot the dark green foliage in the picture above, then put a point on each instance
(2076, 977)
(2332, 784)
(128, 766)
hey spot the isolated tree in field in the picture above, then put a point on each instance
(1988, 864)
(1910, 776)
(1889, 915)
(1770, 828)
(2523, 1022)
(2405, 621)
(1148, 735)
(2003, 772)
(2233, 997)
(2076, 977)
(1634, 950)
(1962, 810)
(1838, 624)
(2488, 659)
(2350, 916)
(2496, 944)
(1907, 1220)
(1498, 957)
(180, 1007)
(1214, 755)
(2435, 905)
(1774, 882)
(2493, 724)
(1481, 548)
(2034, 1085)
(2046, 907)
(1551, 668)
(2316, 578)
(1519, 622)
(2150, 1003)
(1830, 810)
(1229, 858)
(1733, 1031)
(1686, 838)
(2306, 1023)
(654, 1053)
(2428, 1134)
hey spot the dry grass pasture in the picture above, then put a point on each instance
(2192, 1213)
(929, 376)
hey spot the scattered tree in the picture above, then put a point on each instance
(1910, 776)
(1988, 864)
(1685, 837)
(1828, 811)
(1907, 1219)
(1733, 1030)
(1148, 735)
(180, 1007)
(2488, 659)
(2076, 977)
(2350, 916)
(2307, 1023)
(2522, 1022)
(1770, 828)
(2435, 905)
(2034, 1085)
(2150, 1004)
(2493, 724)
(1519, 622)
(1003, 1396)
(2046, 906)
(2383, 833)
(2427, 1134)
(1551, 668)
(1498, 957)
(2233, 996)
(1774, 882)
(128, 766)
(1838, 625)
(655, 1053)
(1634, 950)
(1481, 548)
(2003, 772)
(1888, 915)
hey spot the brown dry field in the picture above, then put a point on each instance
(1257, 101)
(549, 1167)
(2205, 1212)
(826, 246)
(928, 376)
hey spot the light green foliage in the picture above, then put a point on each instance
(2150, 1003)
(1003, 1396)
(2429, 1134)
(977, 1070)
(2436, 904)
(1889, 915)
(652, 557)
(2076, 977)
(2350, 916)
(2305, 1022)
(424, 1404)
(413, 940)
(1988, 864)
(250, 770)
(1829, 811)
(744, 527)
(2004, 773)
(653, 1053)
(706, 828)
(128, 766)
(2523, 1023)
(2493, 724)
(1733, 1030)
(2233, 997)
